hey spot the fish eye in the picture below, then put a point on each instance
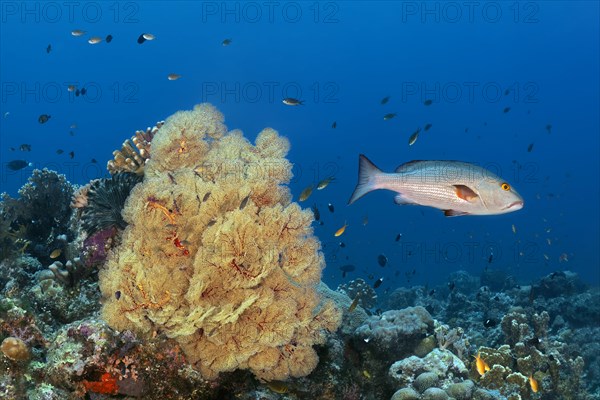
(505, 186)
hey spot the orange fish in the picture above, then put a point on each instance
(533, 383)
(340, 231)
(354, 303)
(482, 366)
(56, 253)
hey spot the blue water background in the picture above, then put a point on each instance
(341, 58)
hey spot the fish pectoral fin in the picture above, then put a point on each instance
(401, 200)
(455, 213)
(466, 193)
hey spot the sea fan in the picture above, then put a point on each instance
(105, 200)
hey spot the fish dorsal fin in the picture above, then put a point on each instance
(407, 166)
(413, 165)
(466, 193)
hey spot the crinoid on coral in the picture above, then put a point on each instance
(132, 157)
(105, 199)
(216, 256)
(367, 298)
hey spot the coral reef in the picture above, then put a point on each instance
(210, 284)
(438, 368)
(68, 273)
(557, 284)
(367, 298)
(96, 246)
(38, 219)
(520, 331)
(11, 240)
(15, 349)
(451, 338)
(497, 280)
(54, 297)
(403, 297)
(104, 200)
(530, 353)
(578, 309)
(395, 333)
(132, 157)
(88, 357)
(217, 257)
(350, 319)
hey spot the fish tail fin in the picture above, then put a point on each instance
(367, 171)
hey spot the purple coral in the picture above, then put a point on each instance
(95, 247)
(351, 392)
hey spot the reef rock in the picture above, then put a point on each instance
(443, 363)
(395, 333)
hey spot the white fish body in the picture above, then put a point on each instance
(456, 187)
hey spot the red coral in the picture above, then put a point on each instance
(106, 385)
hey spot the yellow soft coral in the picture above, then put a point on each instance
(217, 256)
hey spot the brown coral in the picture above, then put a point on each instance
(80, 197)
(217, 257)
(134, 153)
(15, 349)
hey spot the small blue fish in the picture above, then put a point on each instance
(16, 165)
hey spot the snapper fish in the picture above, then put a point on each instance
(456, 187)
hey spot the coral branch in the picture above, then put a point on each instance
(134, 153)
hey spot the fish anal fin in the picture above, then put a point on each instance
(465, 193)
(401, 200)
(455, 213)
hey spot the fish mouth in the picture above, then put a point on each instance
(517, 205)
